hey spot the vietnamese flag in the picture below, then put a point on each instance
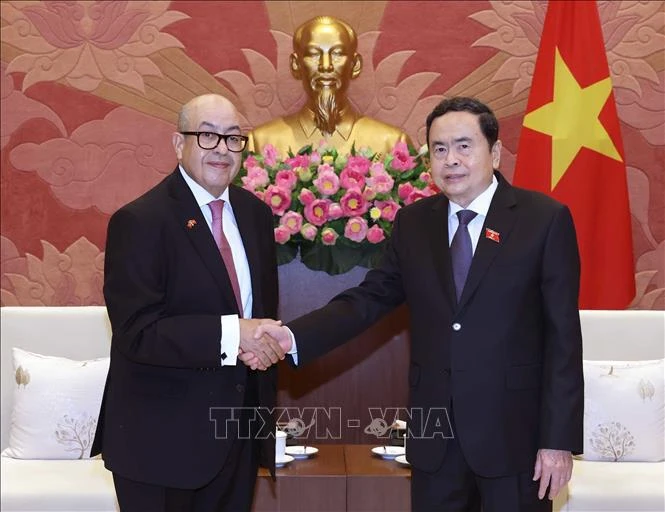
(570, 148)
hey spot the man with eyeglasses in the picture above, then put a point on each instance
(190, 267)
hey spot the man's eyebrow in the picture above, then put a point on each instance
(462, 139)
(206, 124)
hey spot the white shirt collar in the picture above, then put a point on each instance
(202, 196)
(480, 204)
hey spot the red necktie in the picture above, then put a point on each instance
(217, 208)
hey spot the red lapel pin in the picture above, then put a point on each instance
(191, 223)
(492, 235)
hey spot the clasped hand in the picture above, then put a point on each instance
(263, 342)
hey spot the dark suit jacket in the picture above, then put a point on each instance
(166, 286)
(509, 355)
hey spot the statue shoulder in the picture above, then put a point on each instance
(277, 131)
(365, 122)
(389, 134)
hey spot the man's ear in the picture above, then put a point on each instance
(357, 65)
(496, 154)
(178, 140)
(295, 66)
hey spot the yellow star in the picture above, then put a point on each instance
(571, 119)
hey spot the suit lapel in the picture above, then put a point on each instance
(500, 218)
(191, 221)
(242, 210)
(438, 234)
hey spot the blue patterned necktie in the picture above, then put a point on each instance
(461, 250)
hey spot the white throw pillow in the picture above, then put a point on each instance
(624, 410)
(56, 406)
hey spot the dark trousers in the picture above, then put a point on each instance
(455, 488)
(231, 490)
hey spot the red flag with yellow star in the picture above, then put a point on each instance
(570, 148)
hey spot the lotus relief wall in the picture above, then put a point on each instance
(90, 92)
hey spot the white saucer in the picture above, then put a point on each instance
(388, 452)
(301, 452)
(283, 461)
(401, 460)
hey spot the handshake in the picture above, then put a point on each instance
(263, 342)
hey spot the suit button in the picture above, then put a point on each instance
(240, 388)
(457, 326)
(446, 371)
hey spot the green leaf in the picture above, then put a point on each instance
(340, 258)
(286, 252)
(305, 150)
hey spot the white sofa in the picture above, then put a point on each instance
(618, 486)
(84, 485)
(48, 485)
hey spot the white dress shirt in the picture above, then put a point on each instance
(230, 341)
(481, 206)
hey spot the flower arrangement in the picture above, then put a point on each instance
(336, 209)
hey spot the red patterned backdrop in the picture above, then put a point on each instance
(91, 90)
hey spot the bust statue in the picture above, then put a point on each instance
(325, 59)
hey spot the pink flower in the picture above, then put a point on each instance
(380, 181)
(388, 209)
(404, 191)
(298, 161)
(369, 194)
(257, 177)
(316, 212)
(359, 164)
(282, 235)
(353, 203)
(335, 211)
(425, 176)
(327, 183)
(292, 221)
(315, 157)
(308, 232)
(269, 155)
(375, 234)
(402, 161)
(250, 162)
(351, 178)
(416, 195)
(259, 194)
(355, 229)
(286, 179)
(329, 236)
(278, 199)
(325, 168)
(306, 196)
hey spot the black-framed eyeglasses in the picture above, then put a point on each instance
(210, 140)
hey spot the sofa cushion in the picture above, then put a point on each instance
(56, 485)
(607, 486)
(56, 406)
(624, 411)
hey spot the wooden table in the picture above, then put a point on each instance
(374, 484)
(309, 485)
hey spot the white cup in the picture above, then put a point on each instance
(280, 444)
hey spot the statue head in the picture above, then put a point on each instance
(325, 59)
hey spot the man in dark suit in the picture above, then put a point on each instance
(496, 386)
(184, 275)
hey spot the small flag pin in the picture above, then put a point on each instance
(492, 235)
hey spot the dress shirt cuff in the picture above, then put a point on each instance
(230, 341)
(294, 349)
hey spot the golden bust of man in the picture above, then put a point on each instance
(325, 60)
